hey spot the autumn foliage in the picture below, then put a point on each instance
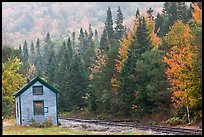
(184, 71)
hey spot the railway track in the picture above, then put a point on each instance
(162, 129)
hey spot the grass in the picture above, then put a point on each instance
(9, 128)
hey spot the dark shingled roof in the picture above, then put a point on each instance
(31, 83)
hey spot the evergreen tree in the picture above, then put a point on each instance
(32, 51)
(38, 61)
(25, 52)
(129, 77)
(158, 24)
(47, 47)
(149, 13)
(104, 44)
(38, 47)
(90, 32)
(25, 59)
(151, 92)
(109, 25)
(96, 39)
(171, 12)
(20, 52)
(81, 40)
(73, 38)
(77, 82)
(137, 14)
(119, 29)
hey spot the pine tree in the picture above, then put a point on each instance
(20, 52)
(81, 40)
(104, 44)
(119, 29)
(158, 24)
(109, 25)
(32, 51)
(25, 52)
(38, 47)
(96, 39)
(38, 61)
(149, 13)
(141, 43)
(137, 15)
(90, 32)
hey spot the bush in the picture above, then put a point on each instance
(174, 121)
(152, 123)
(47, 123)
(100, 117)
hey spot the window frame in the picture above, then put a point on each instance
(42, 101)
(35, 87)
(45, 109)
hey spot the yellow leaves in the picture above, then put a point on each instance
(99, 62)
(123, 51)
(179, 34)
(197, 14)
(180, 60)
(153, 36)
(122, 56)
(11, 79)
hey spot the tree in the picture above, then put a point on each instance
(25, 52)
(158, 24)
(90, 32)
(119, 29)
(140, 44)
(38, 47)
(104, 44)
(32, 51)
(171, 12)
(122, 57)
(96, 39)
(38, 60)
(81, 40)
(137, 15)
(78, 83)
(25, 59)
(9, 52)
(181, 69)
(151, 94)
(109, 25)
(11, 82)
(149, 13)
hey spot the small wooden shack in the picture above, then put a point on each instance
(36, 101)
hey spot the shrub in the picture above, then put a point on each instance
(47, 123)
(152, 123)
(174, 121)
(100, 117)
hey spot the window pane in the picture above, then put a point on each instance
(38, 106)
(37, 90)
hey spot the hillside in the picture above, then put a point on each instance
(31, 20)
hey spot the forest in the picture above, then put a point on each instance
(154, 68)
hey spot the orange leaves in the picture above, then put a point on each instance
(154, 38)
(197, 14)
(179, 35)
(122, 56)
(99, 62)
(123, 51)
(179, 59)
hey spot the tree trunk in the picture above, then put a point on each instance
(188, 115)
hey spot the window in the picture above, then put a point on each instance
(45, 109)
(37, 90)
(38, 107)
